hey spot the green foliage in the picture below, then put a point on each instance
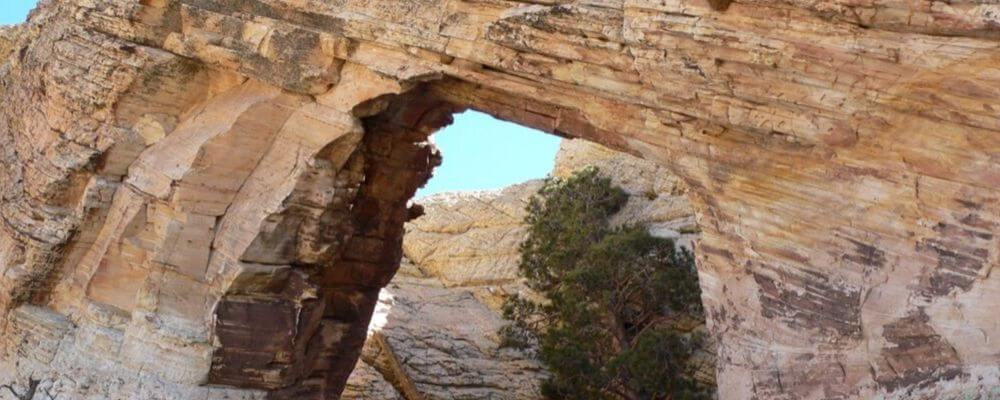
(605, 326)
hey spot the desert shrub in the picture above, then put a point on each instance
(610, 298)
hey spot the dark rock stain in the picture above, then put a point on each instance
(957, 267)
(919, 358)
(867, 255)
(806, 300)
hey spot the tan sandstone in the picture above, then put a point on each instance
(238, 171)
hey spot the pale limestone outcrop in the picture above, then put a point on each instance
(841, 158)
(440, 342)
(471, 238)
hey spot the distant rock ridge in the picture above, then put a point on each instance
(434, 335)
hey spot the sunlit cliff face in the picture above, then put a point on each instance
(213, 192)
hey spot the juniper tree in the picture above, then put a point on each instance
(610, 298)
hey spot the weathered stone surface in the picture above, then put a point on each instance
(367, 383)
(469, 239)
(433, 342)
(832, 150)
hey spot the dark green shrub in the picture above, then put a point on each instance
(606, 326)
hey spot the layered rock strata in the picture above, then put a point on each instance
(842, 158)
(435, 342)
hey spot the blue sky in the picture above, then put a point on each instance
(480, 152)
(15, 11)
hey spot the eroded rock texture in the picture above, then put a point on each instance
(435, 342)
(202, 198)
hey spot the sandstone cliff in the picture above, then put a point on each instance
(201, 199)
(434, 334)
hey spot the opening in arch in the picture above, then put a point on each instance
(438, 330)
(483, 153)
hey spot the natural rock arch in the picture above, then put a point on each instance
(211, 192)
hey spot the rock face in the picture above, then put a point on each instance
(470, 238)
(434, 334)
(203, 198)
(440, 342)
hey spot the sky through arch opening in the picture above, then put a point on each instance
(15, 11)
(484, 153)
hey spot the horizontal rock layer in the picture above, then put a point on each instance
(174, 171)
